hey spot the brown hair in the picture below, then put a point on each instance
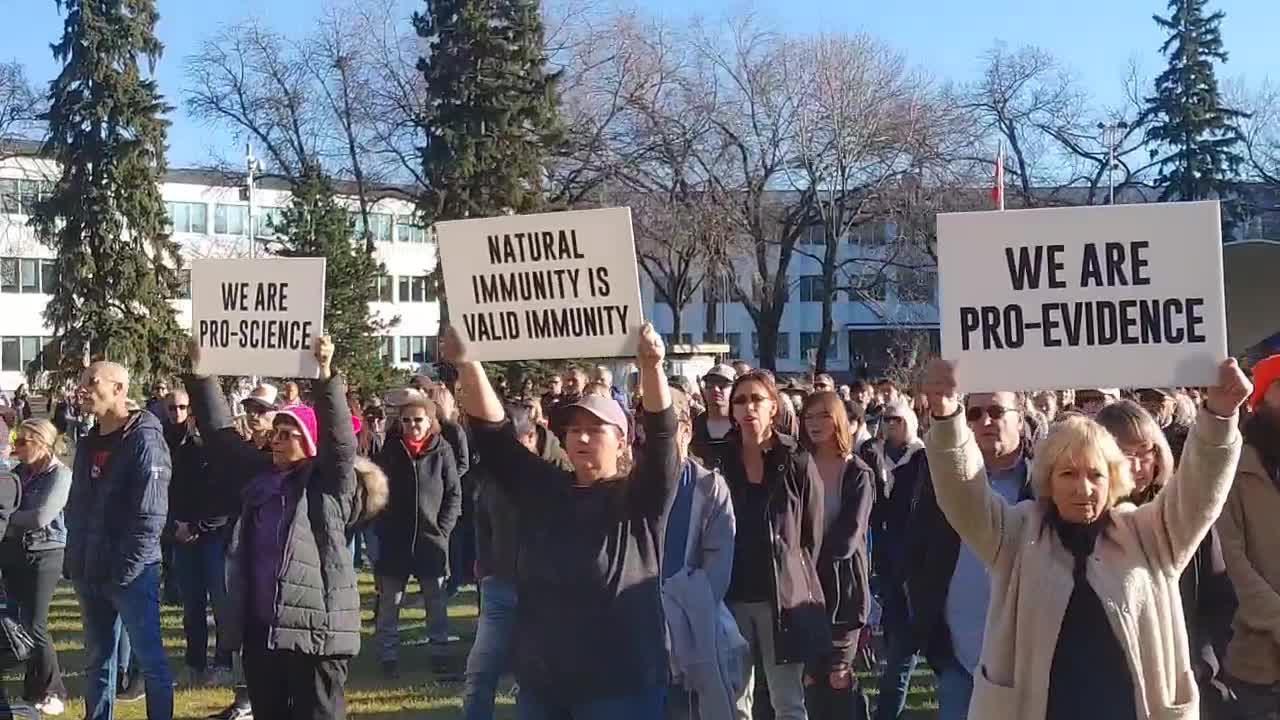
(765, 379)
(1130, 424)
(832, 403)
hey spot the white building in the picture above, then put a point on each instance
(210, 218)
(901, 302)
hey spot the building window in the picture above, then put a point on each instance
(27, 275)
(916, 286)
(387, 349)
(733, 340)
(383, 290)
(814, 235)
(810, 288)
(868, 286)
(9, 275)
(870, 234)
(270, 221)
(379, 226)
(782, 348)
(10, 354)
(17, 353)
(188, 217)
(417, 349)
(415, 288)
(20, 197)
(810, 341)
(670, 339)
(230, 219)
(48, 275)
(408, 231)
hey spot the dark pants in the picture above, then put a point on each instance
(644, 705)
(900, 662)
(1255, 702)
(104, 610)
(31, 578)
(462, 554)
(199, 566)
(287, 685)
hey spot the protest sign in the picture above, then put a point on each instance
(1117, 296)
(257, 317)
(554, 285)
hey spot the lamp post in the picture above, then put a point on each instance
(252, 165)
(1111, 136)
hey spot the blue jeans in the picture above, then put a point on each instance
(645, 705)
(491, 652)
(136, 606)
(200, 566)
(955, 688)
(900, 662)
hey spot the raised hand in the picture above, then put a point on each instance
(193, 352)
(1232, 390)
(940, 388)
(453, 349)
(322, 348)
(651, 350)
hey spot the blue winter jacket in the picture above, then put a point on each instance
(114, 522)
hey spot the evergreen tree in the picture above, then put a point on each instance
(117, 268)
(491, 109)
(315, 225)
(1190, 122)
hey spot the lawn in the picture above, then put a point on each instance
(415, 694)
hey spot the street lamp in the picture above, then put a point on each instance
(252, 165)
(1111, 136)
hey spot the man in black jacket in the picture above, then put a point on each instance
(115, 514)
(948, 586)
(199, 511)
(711, 428)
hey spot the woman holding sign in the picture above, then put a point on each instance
(292, 600)
(589, 627)
(1091, 622)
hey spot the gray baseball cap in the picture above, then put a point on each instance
(606, 409)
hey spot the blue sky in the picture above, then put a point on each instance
(1096, 38)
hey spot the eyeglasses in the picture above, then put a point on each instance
(752, 399)
(178, 407)
(993, 412)
(1146, 456)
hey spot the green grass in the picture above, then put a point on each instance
(417, 693)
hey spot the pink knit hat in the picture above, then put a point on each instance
(305, 418)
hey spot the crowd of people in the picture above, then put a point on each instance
(721, 547)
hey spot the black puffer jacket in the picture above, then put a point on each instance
(317, 607)
(844, 568)
(426, 500)
(197, 495)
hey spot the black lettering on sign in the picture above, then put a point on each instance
(536, 246)
(1090, 268)
(1140, 263)
(271, 297)
(968, 324)
(492, 326)
(275, 334)
(235, 296)
(1195, 318)
(576, 322)
(214, 333)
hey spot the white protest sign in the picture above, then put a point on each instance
(1118, 296)
(554, 285)
(257, 317)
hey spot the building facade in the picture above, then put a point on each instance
(209, 217)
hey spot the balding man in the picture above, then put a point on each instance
(115, 515)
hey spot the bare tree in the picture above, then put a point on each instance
(1260, 128)
(21, 106)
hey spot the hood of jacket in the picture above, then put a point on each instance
(372, 490)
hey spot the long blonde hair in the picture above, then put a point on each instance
(44, 431)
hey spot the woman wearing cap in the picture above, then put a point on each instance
(774, 591)
(1091, 622)
(413, 535)
(1208, 600)
(292, 600)
(32, 555)
(843, 566)
(589, 630)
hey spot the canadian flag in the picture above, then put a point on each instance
(997, 190)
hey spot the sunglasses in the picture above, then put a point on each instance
(178, 407)
(286, 434)
(992, 412)
(752, 399)
(254, 409)
(414, 420)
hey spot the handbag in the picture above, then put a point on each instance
(17, 644)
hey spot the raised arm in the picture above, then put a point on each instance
(957, 472)
(336, 441)
(1181, 514)
(659, 464)
(238, 461)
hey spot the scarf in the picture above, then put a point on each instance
(416, 448)
(1078, 539)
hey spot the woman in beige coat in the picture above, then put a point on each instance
(1086, 620)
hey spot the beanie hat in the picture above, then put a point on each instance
(305, 418)
(1266, 372)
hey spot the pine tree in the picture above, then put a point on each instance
(491, 110)
(315, 225)
(117, 268)
(1190, 122)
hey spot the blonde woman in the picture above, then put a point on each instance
(31, 554)
(1090, 623)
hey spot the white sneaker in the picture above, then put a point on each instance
(51, 706)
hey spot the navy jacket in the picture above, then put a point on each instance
(114, 523)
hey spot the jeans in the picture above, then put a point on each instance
(31, 577)
(900, 662)
(786, 682)
(955, 688)
(199, 566)
(491, 651)
(644, 705)
(136, 606)
(288, 685)
(390, 595)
